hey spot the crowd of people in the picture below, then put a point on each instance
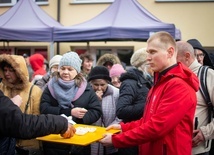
(157, 104)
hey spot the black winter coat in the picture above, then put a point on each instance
(13, 123)
(133, 93)
(87, 100)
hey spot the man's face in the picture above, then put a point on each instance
(27, 60)
(157, 56)
(10, 75)
(108, 65)
(87, 65)
(54, 68)
(199, 55)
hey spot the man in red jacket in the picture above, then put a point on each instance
(167, 124)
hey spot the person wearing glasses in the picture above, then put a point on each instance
(201, 54)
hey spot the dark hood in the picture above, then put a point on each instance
(137, 75)
(197, 45)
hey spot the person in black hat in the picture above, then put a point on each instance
(108, 96)
(201, 54)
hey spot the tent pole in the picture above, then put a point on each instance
(7, 46)
(51, 49)
(88, 47)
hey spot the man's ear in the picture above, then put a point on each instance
(171, 51)
(187, 55)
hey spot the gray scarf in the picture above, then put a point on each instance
(63, 91)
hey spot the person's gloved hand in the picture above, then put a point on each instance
(70, 131)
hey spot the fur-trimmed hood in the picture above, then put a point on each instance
(19, 65)
(108, 58)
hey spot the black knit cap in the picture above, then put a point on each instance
(197, 45)
(99, 72)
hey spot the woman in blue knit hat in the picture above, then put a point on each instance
(69, 93)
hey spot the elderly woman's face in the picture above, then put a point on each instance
(67, 73)
(99, 85)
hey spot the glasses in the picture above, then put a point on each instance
(200, 55)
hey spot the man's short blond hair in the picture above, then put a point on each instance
(165, 38)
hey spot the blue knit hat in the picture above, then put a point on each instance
(71, 59)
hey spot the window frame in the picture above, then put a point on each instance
(97, 51)
(13, 2)
(91, 1)
(42, 3)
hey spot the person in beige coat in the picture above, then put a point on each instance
(15, 81)
(205, 131)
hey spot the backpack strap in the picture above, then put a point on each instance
(28, 101)
(202, 75)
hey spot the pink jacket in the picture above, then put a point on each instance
(167, 125)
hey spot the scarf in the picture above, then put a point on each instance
(63, 91)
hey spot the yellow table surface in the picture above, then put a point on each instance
(83, 140)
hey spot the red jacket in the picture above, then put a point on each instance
(167, 125)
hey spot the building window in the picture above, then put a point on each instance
(42, 51)
(101, 52)
(125, 55)
(92, 1)
(13, 2)
(41, 2)
(5, 51)
(7, 2)
(21, 51)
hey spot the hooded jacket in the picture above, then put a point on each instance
(22, 88)
(108, 58)
(37, 62)
(197, 45)
(133, 93)
(167, 124)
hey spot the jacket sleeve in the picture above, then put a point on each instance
(14, 123)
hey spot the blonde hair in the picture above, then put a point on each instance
(165, 38)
